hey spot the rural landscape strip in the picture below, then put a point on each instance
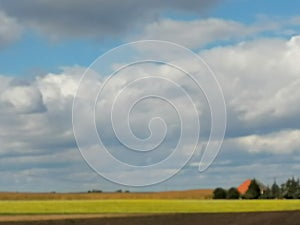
(96, 207)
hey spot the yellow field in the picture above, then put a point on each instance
(143, 206)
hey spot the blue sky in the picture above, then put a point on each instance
(252, 46)
(247, 11)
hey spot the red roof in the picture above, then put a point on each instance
(244, 187)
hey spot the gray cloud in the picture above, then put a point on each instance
(94, 18)
(10, 30)
(200, 32)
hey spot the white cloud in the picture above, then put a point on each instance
(260, 80)
(281, 142)
(23, 99)
(36, 117)
(64, 85)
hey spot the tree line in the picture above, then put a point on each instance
(288, 190)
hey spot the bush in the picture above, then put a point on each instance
(219, 193)
(233, 193)
(95, 191)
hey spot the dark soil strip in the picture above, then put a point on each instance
(264, 218)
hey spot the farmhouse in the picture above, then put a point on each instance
(243, 188)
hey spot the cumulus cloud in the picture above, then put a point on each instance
(23, 99)
(26, 134)
(260, 80)
(95, 18)
(38, 114)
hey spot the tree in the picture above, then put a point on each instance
(291, 189)
(219, 193)
(267, 194)
(253, 191)
(297, 193)
(275, 190)
(233, 193)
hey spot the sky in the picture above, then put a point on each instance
(46, 47)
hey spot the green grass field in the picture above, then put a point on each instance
(143, 206)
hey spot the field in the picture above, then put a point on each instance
(189, 194)
(191, 201)
(143, 206)
(265, 218)
(183, 207)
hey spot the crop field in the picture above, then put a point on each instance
(147, 206)
(161, 208)
(188, 194)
